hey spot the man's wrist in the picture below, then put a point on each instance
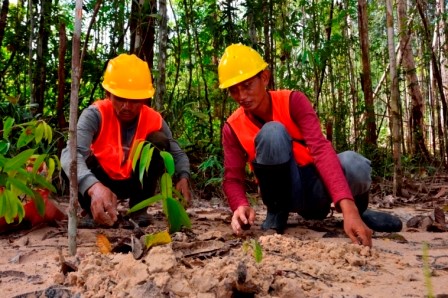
(348, 206)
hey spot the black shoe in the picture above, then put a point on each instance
(275, 221)
(381, 221)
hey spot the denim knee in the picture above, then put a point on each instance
(273, 144)
(357, 171)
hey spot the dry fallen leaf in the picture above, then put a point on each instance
(103, 244)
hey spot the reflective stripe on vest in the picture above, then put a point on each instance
(246, 130)
(108, 148)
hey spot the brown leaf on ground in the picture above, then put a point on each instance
(103, 244)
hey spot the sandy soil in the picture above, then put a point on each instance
(312, 259)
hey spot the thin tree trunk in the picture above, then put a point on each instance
(3, 17)
(416, 120)
(436, 73)
(62, 123)
(76, 75)
(366, 80)
(161, 63)
(394, 109)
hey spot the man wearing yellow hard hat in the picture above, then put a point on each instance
(279, 134)
(106, 132)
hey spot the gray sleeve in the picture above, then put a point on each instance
(180, 157)
(87, 127)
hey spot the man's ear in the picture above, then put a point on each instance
(265, 77)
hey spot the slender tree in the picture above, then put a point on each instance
(394, 110)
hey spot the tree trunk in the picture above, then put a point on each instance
(416, 116)
(3, 17)
(76, 75)
(161, 63)
(394, 109)
(366, 80)
(62, 123)
(437, 76)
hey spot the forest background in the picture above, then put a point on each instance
(375, 71)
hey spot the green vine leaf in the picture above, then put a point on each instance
(39, 203)
(26, 136)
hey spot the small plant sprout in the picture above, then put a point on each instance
(255, 247)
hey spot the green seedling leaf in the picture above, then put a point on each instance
(39, 203)
(145, 160)
(166, 185)
(145, 203)
(135, 153)
(18, 161)
(7, 127)
(2, 203)
(151, 151)
(40, 130)
(177, 216)
(4, 146)
(41, 181)
(180, 198)
(20, 210)
(169, 162)
(51, 167)
(20, 186)
(38, 162)
(258, 251)
(11, 206)
(25, 137)
(157, 239)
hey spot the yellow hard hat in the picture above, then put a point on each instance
(129, 77)
(237, 64)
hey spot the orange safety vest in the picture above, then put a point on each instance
(107, 147)
(246, 130)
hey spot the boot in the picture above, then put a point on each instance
(275, 189)
(376, 220)
(381, 221)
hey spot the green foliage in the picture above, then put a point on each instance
(21, 170)
(172, 206)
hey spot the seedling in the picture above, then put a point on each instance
(172, 201)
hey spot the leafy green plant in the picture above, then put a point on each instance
(172, 201)
(255, 247)
(22, 171)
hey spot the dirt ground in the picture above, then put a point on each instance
(311, 259)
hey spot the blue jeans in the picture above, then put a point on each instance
(309, 197)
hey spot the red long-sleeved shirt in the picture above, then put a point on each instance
(325, 158)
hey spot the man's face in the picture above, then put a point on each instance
(127, 110)
(250, 93)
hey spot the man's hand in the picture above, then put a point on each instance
(183, 187)
(104, 204)
(354, 227)
(242, 219)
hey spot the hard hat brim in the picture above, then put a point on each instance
(130, 94)
(241, 78)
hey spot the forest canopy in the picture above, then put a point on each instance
(376, 72)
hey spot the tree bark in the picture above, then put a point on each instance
(3, 18)
(161, 63)
(76, 76)
(366, 80)
(417, 108)
(394, 108)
